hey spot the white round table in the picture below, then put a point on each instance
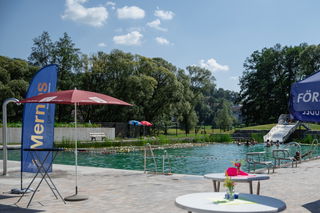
(213, 202)
(220, 177)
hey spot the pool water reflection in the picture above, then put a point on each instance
(196, 160)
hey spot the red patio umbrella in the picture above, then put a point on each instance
(146, 123)
(76, 97)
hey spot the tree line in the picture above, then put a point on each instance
(267, 78)
(159, 91)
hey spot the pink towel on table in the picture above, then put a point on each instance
(231, 171)
(242, 173)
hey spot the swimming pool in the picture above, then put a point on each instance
(196, 160)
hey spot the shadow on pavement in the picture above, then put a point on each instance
(8, 196)
(313, 207)
(15, 209)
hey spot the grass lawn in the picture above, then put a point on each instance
(259, 127)
(208, 130)
(269, 126)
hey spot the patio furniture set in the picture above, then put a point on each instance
(206, 202)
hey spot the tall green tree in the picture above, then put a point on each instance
(203, 87)
(67, 57)
(42, 50)
(309, 60)
(184, 109)
(224, 119)
(268, 76)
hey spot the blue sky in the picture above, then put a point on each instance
(216, 34)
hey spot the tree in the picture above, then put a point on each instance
(67, 57)
(309, 60)
(184, 109)
(14, 77)
(268, 76)
(42, 50)
(224, 119)
(203, 87)
(149, 84)
(258, 83)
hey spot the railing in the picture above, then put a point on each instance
(146, 148)
(294, 147)
(166, 165)
(314, 145)
(165, 158)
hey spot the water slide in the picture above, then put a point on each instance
(281, 132)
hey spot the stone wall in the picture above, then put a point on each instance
(60, 134)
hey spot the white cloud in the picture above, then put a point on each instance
(162, 41)
(132, 38)
(212, 65)
(111, 4)
(132, 12)
(156, 25)
(164, 15)
(102, 44)
(94, 16)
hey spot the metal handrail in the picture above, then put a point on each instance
(314, 145)
(296, 144)
(164, 157)
(146, 148)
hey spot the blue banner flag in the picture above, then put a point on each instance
(304, 101)
(38, 120)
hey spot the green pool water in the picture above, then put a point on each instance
(193, 160)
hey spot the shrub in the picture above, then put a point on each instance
(220, 138)
(257, 137)
(307, 139)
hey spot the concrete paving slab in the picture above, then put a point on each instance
(127, 191)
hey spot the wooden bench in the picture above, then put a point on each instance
(96, 135)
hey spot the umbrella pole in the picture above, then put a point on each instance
(76, 145)
(76, 197)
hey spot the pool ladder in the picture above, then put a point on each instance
(147, 148)
(165, 158)
(314, 149)
(148, 151)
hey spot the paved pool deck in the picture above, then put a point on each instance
(123, 191)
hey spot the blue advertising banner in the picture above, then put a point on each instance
(304, 102)
(38, 119)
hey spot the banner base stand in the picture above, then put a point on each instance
(76, 197)
(21, 191)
